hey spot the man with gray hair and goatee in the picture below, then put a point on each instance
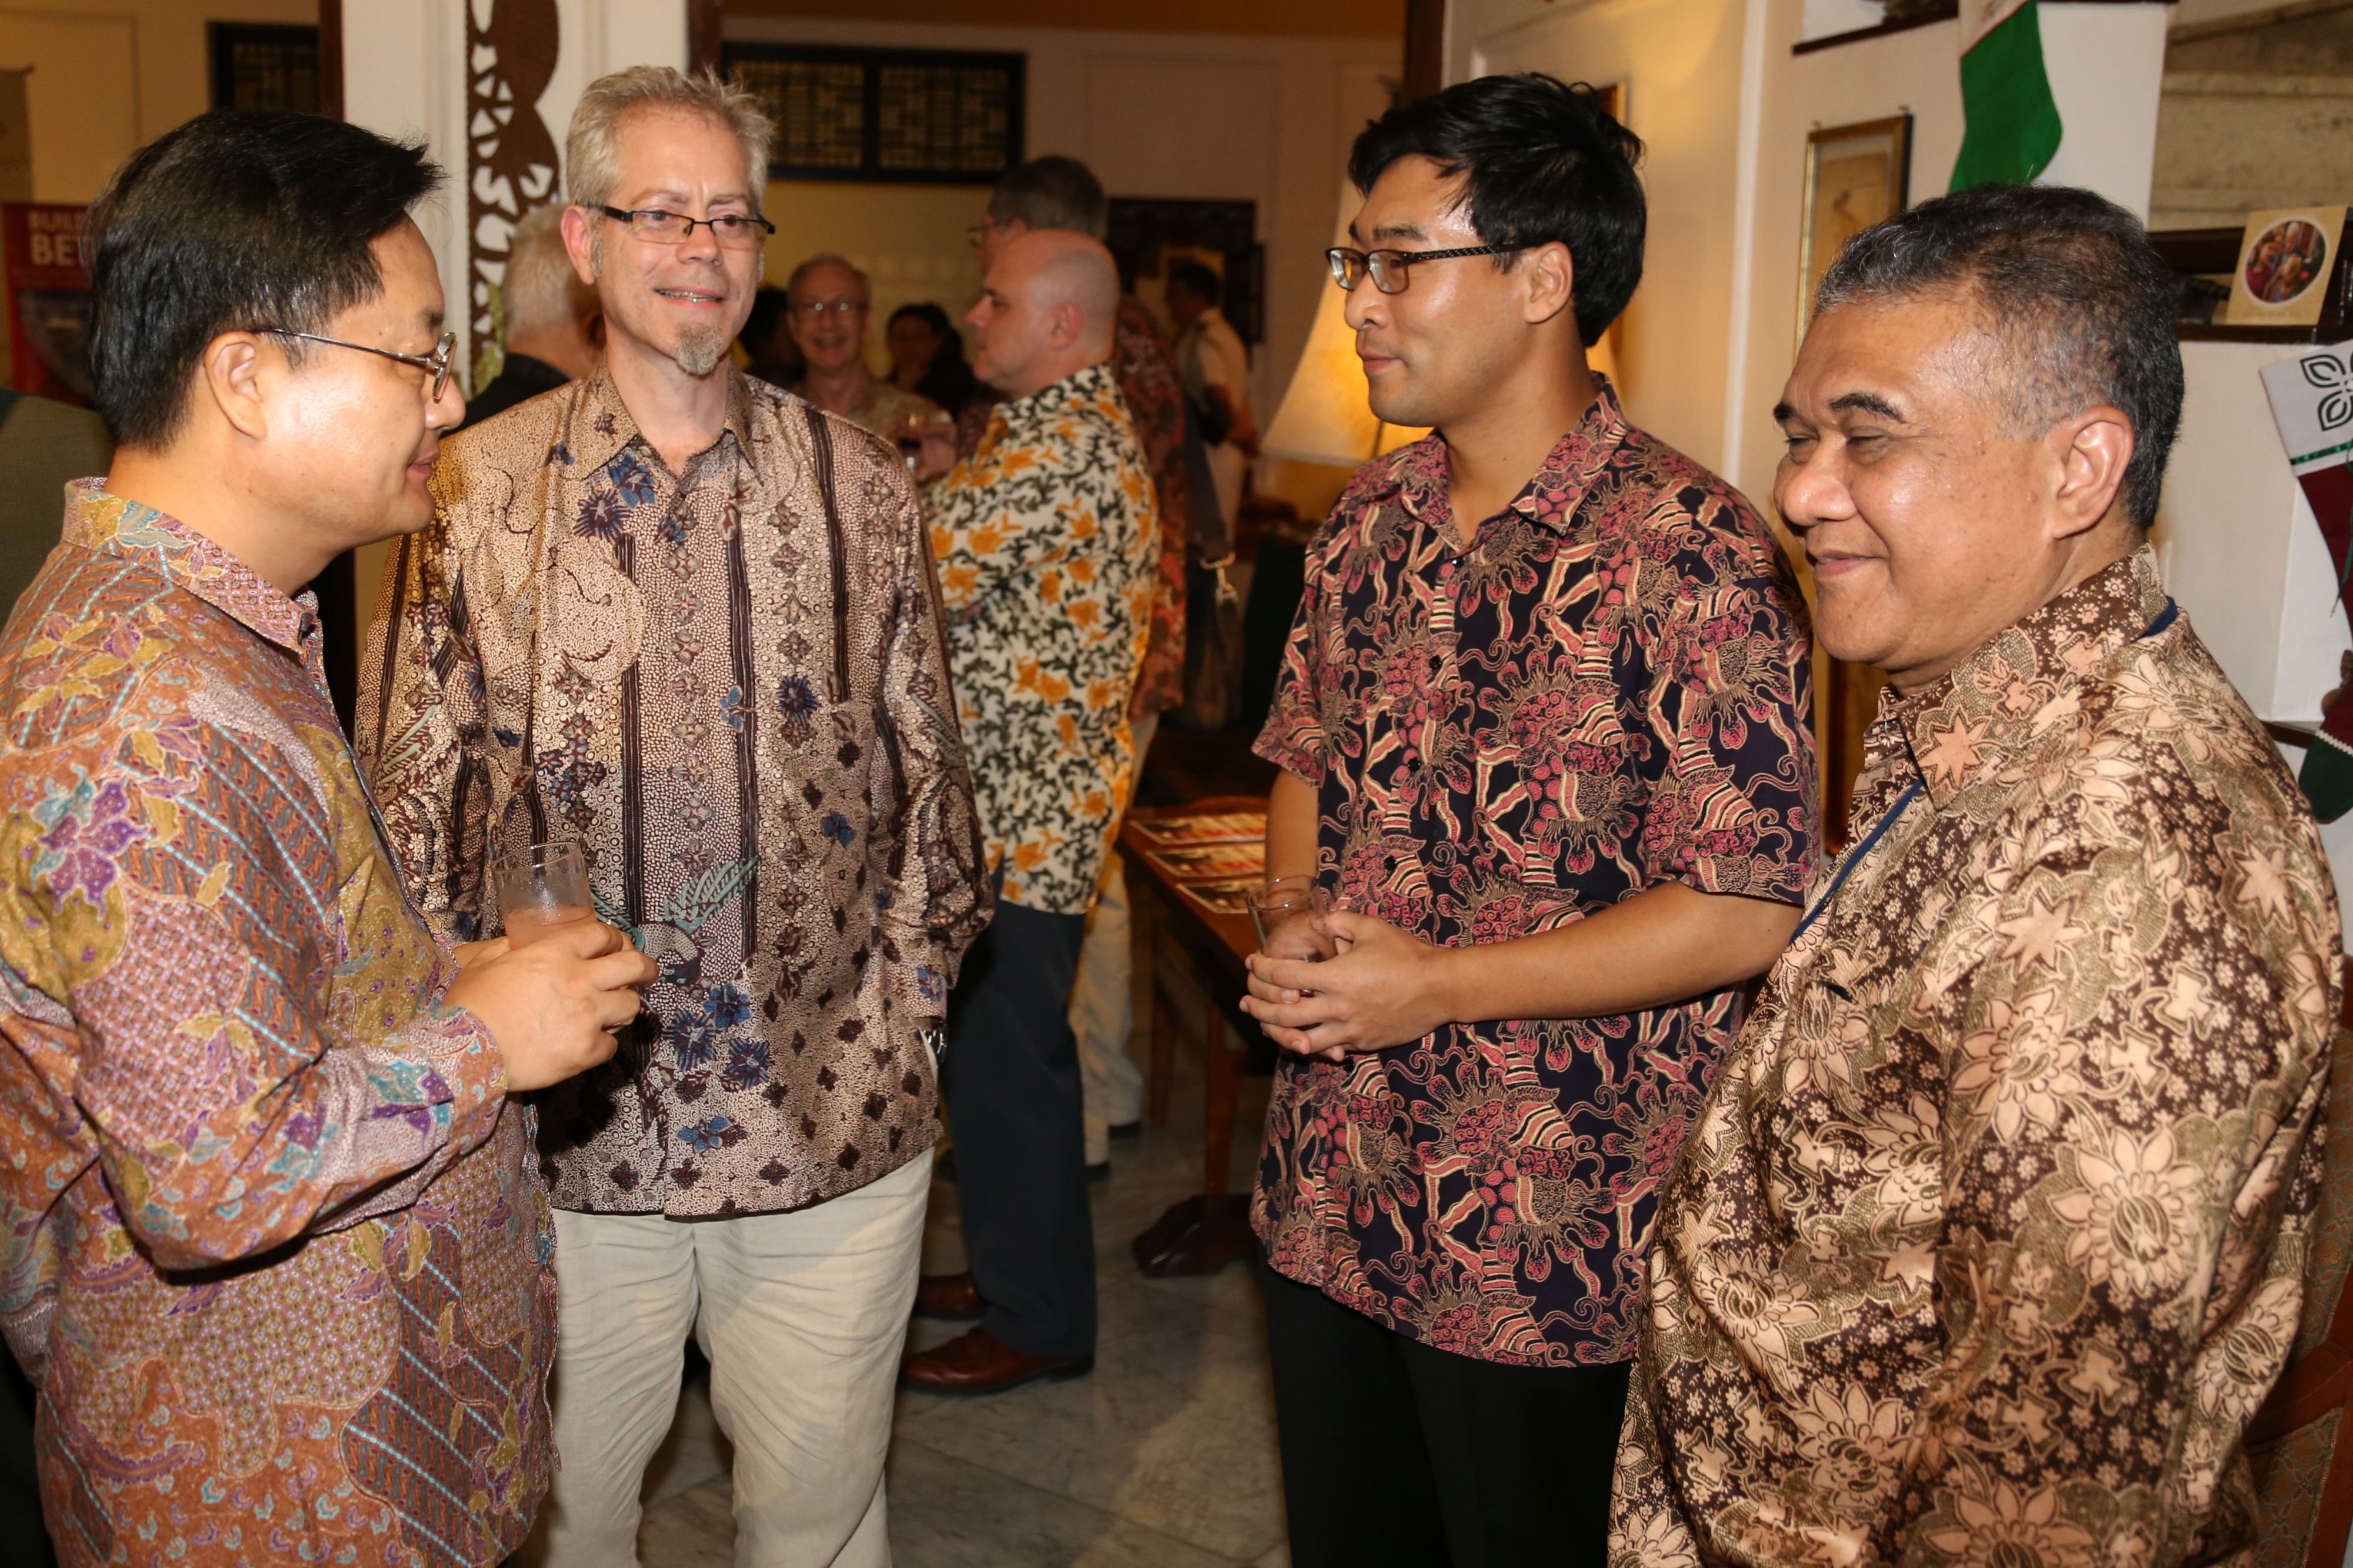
(691, 623)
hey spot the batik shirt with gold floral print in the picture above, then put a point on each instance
(1603, 690)
(1048, 546)
(272, 1244)
(1988, 1240)
(729, 685)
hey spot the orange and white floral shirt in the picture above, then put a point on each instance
(1048, 543)
(1989, 1239)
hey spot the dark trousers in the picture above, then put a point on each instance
(1011, 1078)
(1394, 1453)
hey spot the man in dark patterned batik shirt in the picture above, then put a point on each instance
(1543, 728)
(692, 621)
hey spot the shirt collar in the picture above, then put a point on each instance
(107, 524)
(1420, 475)
(602, 426)
(2023, 681)
(1071, 390)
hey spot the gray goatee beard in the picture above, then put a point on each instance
(699, 351)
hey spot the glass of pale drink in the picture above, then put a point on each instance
(542, 889)
(1284, 912)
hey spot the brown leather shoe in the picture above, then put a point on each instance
(953, 1297)
(977, 1362)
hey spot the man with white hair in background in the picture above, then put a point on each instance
(1046, 544)
(829, 305)
(553, 324)
(688, 621)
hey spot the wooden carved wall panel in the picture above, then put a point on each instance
(511, 161)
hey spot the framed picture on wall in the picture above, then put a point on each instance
(1855, 175)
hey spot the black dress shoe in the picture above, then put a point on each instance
(1098, 1173)
(1128, 1129)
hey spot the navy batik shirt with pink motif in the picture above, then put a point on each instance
(1606, 690)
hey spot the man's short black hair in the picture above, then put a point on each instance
(1197, 279)
(1052, 192)
(238, 219)
(1542, 160)
(2066, 283)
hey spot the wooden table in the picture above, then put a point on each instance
(1197, 1234)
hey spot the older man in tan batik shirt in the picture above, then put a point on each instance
(1988, 1240)
(691, 623)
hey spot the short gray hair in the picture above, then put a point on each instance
(592, 147)
(1052, 192)
(541, 289)
(2065, 283)
(827, 258)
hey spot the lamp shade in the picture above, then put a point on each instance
(1324, 416)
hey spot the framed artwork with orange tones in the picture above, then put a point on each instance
(1855, 175)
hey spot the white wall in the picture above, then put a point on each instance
(1210, 116)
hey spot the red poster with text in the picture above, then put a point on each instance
(47, 297)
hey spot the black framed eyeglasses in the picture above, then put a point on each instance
(435, 364)
(1390, 268)
(737, 231)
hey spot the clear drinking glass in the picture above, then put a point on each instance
(541, 887)
(1283, 912)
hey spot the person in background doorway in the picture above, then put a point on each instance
(690, 621)
(1546, 740)
(927, 359)
(1991, 1239)
(555, 326)
(260, 1163)
(831, 306)
(1046, 544)
(769, 351)
(1216, 368)
(1056, 193)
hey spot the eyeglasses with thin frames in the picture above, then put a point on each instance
(1391, 270)
(736, 231)
(435, 364)
(817, 309)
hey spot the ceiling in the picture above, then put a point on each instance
(1292, 18)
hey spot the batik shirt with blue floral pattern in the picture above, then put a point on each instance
(730, 685)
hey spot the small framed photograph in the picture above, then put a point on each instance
(1207, 828)
(1227, 898)
(1855, 176)
(1219, 860)
(2287, 256)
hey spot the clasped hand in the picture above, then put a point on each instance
(1382, 986)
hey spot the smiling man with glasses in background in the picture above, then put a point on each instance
(259, 1164)
(691, 622)
(1545, 736)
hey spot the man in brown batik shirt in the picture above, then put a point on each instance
(692, 622)
(1989, 1239)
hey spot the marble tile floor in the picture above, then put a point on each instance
(1164, 1457)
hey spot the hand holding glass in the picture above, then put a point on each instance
(541, 887)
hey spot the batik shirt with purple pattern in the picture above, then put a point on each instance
(273, 1248)
(1604, 691)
